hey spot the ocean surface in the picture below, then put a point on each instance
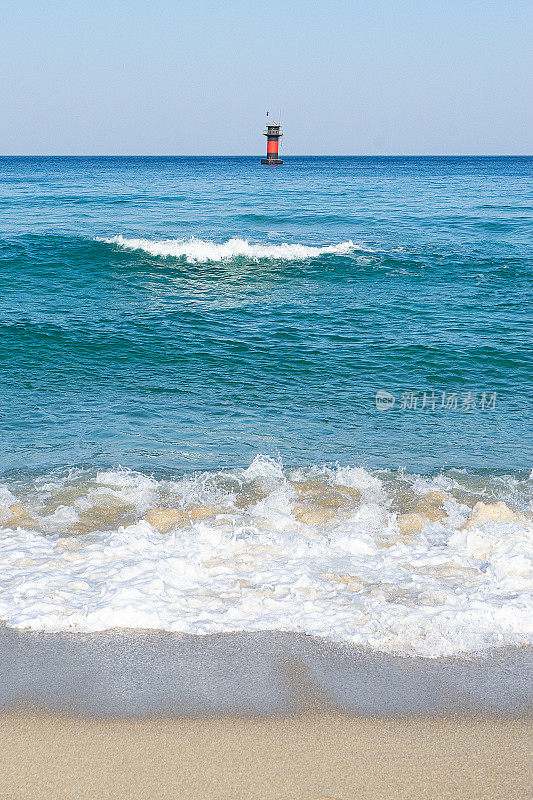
(236, 397)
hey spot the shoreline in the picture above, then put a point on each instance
(124, 673)
(138, 715)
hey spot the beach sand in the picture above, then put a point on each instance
(46, 756)
(133, 715)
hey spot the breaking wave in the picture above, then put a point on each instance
(395, 562)
(196, 250)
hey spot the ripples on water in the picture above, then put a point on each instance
(176, 315)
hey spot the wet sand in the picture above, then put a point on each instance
(135, 715)
(139, 673)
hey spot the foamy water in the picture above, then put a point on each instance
(396, 562)
(197, 250)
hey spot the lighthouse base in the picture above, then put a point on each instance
(273, 162)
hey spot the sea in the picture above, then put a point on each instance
(298, 398)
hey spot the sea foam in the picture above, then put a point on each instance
(395, 562)
(197, 250)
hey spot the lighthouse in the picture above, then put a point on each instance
(273, 133)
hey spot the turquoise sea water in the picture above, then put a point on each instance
(236, 397)
(112, 356)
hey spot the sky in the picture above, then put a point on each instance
(195, 77)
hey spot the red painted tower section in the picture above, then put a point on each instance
(273, 133)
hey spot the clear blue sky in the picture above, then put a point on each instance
(196, 76)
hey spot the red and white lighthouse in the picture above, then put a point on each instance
(273, 133)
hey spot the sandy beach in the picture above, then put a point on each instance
(314, 756)
(150, 715)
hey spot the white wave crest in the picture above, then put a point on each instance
(196, 250)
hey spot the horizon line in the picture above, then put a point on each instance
(259, 155)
